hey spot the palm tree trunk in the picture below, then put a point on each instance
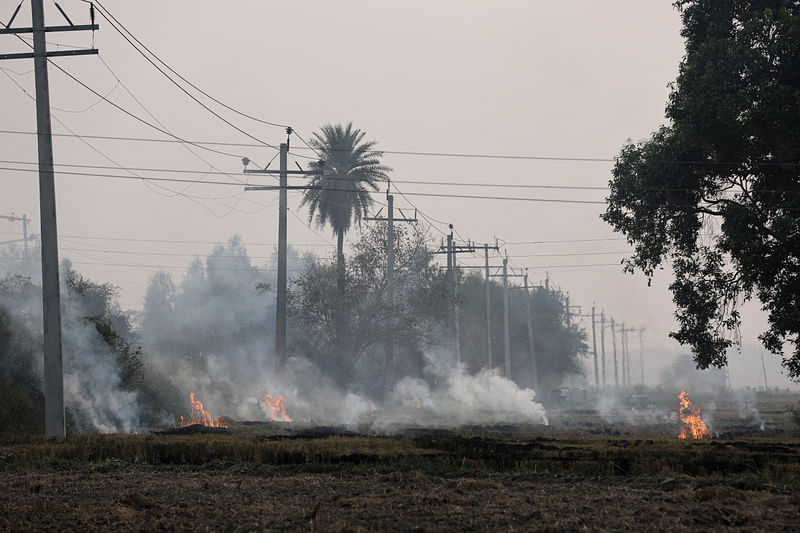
(340, 262)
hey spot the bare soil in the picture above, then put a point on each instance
(244, 498)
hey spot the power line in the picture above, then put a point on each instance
(104, 11)
(178, 267)
(559, 241)
(132, 115)
(574, 254)
(392, 152)
(227, 183)
(179, 86)
(173, 241)
(333, 178)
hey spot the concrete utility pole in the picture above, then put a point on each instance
(614, 344)
(488, 301)
(25, 220)
(594, 350)
(531, 350)
(603, 344)
(622, 334)
(388, 378)
(627, 367)
(488, 305)
(641, 353)
(452, 277)
(506, 334)
(54, 424)
(280, 301)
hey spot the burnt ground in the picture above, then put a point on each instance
(242, 499)
(587, 475)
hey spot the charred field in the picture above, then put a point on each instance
(582, 471)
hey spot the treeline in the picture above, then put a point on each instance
(213, 331)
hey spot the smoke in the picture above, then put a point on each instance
(746, 407)
(95, 398)
(683, 374)
(451, 397)
(486, 397)
(614, 409)
(93, 391)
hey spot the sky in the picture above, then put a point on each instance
(557, 86)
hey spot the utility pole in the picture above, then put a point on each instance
(641, 353)
(388, 378)
(54, 423)
(614, 344)
(488, 305)
(627, 368)
(531, 350)
(594, 349)
(452, 277)
(603, 344)
(25, 220)
(506, 334)
(280, 301)
(488, 302)
(624, 355)
(568, 310)
(764, 370)
(506, 326)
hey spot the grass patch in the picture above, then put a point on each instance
(742, 462)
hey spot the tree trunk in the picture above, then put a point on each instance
(340, 262)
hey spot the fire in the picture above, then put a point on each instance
(690, 416)
(278, 405)
(200, 415)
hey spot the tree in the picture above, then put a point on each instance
(339, 189)
(716, 192)
(338, 329)
(559, 348)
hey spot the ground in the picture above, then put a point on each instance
(587, 471)
(146, 500)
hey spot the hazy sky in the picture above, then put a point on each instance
(569, 80)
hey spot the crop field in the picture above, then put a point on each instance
(582, 473)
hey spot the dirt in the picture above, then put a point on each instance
(240, 499)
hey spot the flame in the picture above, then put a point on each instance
(200, 415)
(278, 405)
(690, 416)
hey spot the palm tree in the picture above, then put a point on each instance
(340, 186)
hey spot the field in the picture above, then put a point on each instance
(583, 472)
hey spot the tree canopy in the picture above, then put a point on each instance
(716, 191)
(339, 189)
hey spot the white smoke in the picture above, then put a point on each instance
(92, 388)
(483, 398)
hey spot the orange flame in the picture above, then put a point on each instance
(695, 427)
(278, 405)
(200, 415)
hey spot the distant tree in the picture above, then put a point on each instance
(337, 330)
(716, 193)
(558, 347)
(340, 186)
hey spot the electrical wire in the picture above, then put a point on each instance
(104, 11)
(168, 241)
(332, 178)
(179, 86)
(422, 194)
(132, 115)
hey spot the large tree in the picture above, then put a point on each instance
(339, 189)
(339, 330)
(716, 192)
